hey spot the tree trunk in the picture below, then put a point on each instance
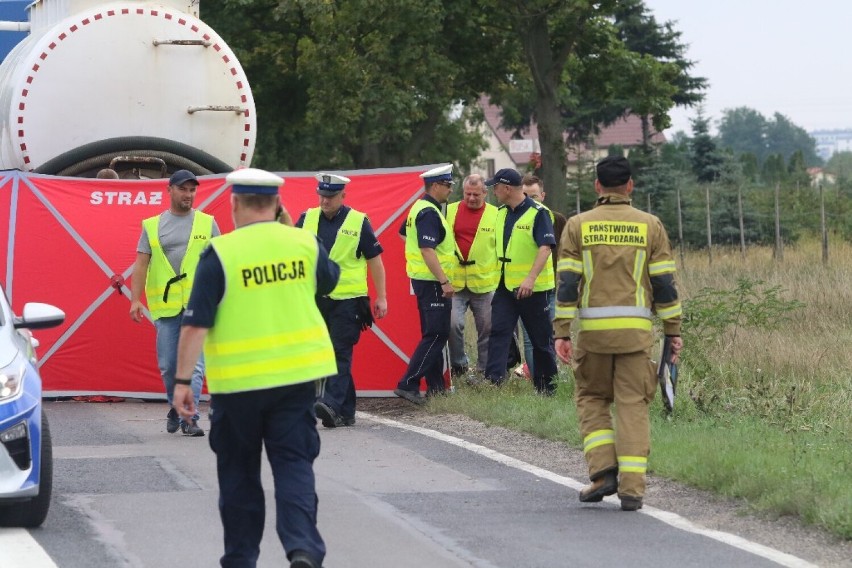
(546, 75)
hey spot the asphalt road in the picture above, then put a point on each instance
(127, 494)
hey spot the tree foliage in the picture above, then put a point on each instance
(361, 83)
(745, 130)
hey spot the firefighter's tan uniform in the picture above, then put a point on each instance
(615, 270)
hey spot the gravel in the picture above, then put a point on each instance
(706, 509)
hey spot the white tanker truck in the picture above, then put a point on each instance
(143, 87)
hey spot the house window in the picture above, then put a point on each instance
(489, 168)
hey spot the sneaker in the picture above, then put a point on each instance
(410, 396)
(607, 484)
(349, 421)
(172, 421)
(630, 503)
(329, 417)
(191, 428)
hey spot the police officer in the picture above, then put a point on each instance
(475, 275)
(534, 189)
(429, 258)
(524, 242)
(352, 244)
(253, 310)
(615, 269)
(166, 257)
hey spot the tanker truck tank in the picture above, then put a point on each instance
(143, 87)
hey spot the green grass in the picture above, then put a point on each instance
(764, 407)
(799, 472)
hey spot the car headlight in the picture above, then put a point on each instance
(11, 382)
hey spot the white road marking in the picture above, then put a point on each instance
(672, 519)
(18, 549)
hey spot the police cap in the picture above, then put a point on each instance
(330, 184)
(253, 180)
(441, 173)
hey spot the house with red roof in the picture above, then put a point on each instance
(508, 149)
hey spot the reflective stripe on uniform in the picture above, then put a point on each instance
(613, 312)
(604, 324)
(638, 273)
(588, 272)
(565, 312)
(670, 312)
(662, 267)
(632, 464)
(570, 264)
(598, 438)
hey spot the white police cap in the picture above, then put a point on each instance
(330, 184)
(441, 173)
(253, 180)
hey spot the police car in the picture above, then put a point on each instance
(26, 459)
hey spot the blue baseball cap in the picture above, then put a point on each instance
(507, 176)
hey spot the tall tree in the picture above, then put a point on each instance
(705, 157)
(641, 33)
(745, 130)
(348, 84)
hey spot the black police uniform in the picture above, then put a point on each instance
(435, 310)
(534, 311)
(342, 317)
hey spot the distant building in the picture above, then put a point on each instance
(829, 142)
(821, 177)
(510, 150)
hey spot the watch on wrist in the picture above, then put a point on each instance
(186, 382)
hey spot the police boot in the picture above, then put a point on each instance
(605, 484)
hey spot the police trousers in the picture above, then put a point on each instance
(282, 419)
(534, 312)
(629, 381)
(428, 358)
(344, 326)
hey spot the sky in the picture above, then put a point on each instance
(787, 56)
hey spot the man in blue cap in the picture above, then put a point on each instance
(166, 257)
(253, 310)
(430, 257)
(352, 244)
(525, 241)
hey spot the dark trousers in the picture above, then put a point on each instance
(344, 326)
(535, 314)
(428, 358)
(281, 419)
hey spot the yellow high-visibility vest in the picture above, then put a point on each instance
(268, 331)
(353, 270)
(446, 250)
(168, 293)
(521, 251)
(480, 273)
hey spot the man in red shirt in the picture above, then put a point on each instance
(475, 278)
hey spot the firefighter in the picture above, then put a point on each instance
(430, 254)
(352, 244)
(615, 270)
(524, 238)
(253, 310)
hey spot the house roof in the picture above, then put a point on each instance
(626, 132)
